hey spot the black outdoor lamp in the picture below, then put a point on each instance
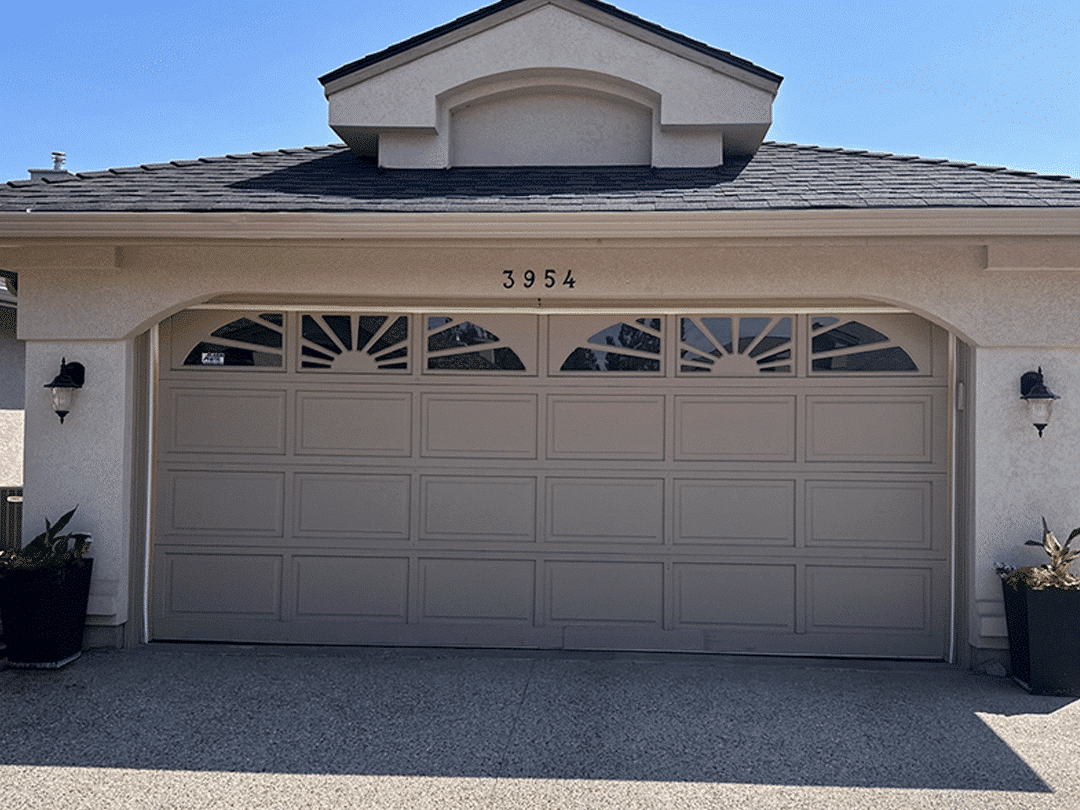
(1039, 398)
(71, 377)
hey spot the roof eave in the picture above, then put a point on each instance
(19, 230)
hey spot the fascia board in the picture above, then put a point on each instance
(24, 229)
(629, 29)
(429, 46)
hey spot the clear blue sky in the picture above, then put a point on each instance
(120, 83)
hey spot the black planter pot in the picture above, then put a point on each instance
(44, 614)
(1044, 639)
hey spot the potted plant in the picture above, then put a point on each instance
(1042, 611)
(44, 589)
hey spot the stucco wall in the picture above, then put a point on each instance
(12, 365)
(695, 91)
(946, 280)
(11, 448)
(1019, 310)
(1019, 478)
(85, 462)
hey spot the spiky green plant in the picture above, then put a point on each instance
(1055, 574)
(50, 549)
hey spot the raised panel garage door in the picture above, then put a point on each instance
(765, 483)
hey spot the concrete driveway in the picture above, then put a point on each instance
(201, 726)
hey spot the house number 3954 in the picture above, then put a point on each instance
(531, 278)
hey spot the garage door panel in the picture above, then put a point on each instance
(735, 428)
(478, 507)
(606, 592)
(353, 505)
(480, 426)
(736, 596)
(354, 424)
(870, 429)
(770, 484)
(606, 427)
(476, 589)
(844, 598)
(870, 514)
(735, 512)
(224, 502)
(226, 421)
(360, 587)
(608, 510)
(227, 584)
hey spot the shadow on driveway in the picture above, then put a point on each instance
(477, 714)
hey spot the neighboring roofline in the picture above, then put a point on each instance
(24, 230)
(332, 81)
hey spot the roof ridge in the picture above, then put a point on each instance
(958, 164)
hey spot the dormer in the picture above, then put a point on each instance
(550, 83)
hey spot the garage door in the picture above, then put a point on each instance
(770, 483)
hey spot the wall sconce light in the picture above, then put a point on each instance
(1039, 398)
(71, 377)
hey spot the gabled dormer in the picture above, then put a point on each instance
(551, 83)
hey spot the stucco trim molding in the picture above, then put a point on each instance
(1030, 258)
(25, 229)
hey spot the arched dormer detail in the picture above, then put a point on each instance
(550, 118)
(584, 78)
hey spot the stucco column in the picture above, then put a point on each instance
(86, 461)
(1019, 477)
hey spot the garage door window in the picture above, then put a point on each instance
(735, 347)
(254, 341)
(621, 347)
(851, 346)
(456, 345)
(354, 343)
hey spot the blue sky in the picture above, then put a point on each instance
(119, 83)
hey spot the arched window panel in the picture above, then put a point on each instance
(354, 344)
(216, 339)
(595, 344)
(869, 344)
(734, 346)
(479, 344)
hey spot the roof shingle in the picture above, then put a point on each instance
(332, 179)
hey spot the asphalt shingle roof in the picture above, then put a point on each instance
(331, 179)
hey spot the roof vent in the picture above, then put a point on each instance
(57, 171)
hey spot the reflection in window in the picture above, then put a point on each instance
(255, 341)
(464, 346)
(354, 343)
(851, 346)
(620, 347)
(735, 346)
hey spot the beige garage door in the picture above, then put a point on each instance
(759, 483)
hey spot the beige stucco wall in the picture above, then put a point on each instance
(945, 279)
(1013, 298)
(516, 130)
(12, 374)
(86, 461)
(1019, 478)
(11, 448)
(552, 44)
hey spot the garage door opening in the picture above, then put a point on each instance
(766, 483)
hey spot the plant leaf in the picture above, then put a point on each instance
(62, 522)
